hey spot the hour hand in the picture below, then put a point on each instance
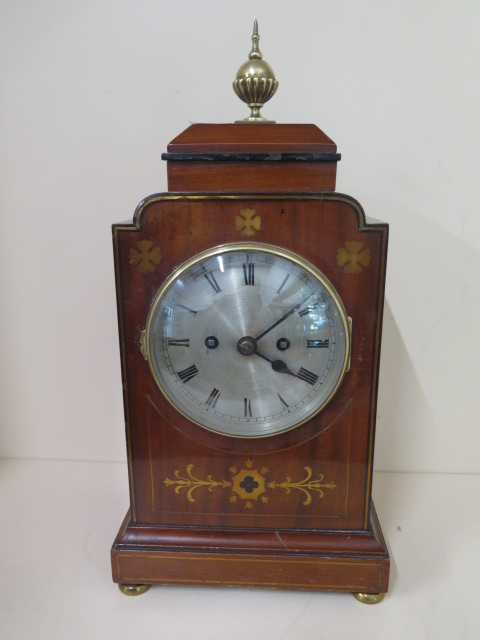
(247, 346)
(280, 367)
(277, 365)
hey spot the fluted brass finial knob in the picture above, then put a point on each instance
(255, 83)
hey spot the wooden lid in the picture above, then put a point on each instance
(252, 139)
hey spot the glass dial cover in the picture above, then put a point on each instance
(248, 340)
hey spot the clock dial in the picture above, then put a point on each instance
(247, 340)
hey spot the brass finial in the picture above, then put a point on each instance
(255, 83)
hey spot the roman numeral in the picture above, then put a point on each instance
(247, 408)
(282, 401)
(211, 401)
(283, 283)
(317, 344)
(307, 310)
(187, 374)
(212, 282)
(178, 342)
(192, 311)
(249, 274)
(307, 376)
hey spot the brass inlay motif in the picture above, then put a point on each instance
(352, 259)
(191, 483)
(248, 222)
(307, 485)
(249, 484)
(145, 256)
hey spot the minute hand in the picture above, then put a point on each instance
(284, 317)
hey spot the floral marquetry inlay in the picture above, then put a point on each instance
(249, 484)
(248, 222)
(352, 258)
(145, 256)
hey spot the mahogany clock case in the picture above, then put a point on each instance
(291, 510)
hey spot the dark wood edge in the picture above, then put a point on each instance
(123, 364)
(255, 157)
(280, 542)
(377, 529)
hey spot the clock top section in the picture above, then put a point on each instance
(244, 157)
(254, 155)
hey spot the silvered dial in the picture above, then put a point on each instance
(247, 340)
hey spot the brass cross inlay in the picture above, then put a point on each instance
(352, 258)
(248, 222)
(145, 256)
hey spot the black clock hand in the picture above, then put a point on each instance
(284, 317)
(280, 367)
(247, 346)
(277, 365)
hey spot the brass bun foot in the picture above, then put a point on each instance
(134, 589)
(369, 598)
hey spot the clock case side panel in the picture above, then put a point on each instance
(120, 231)
(382, 268)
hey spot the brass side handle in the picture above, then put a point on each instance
(143, 344)
(349, 361)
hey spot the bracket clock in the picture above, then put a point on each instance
(250, 300)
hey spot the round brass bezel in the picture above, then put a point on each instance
(250, 247)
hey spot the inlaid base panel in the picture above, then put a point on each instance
(329, 561)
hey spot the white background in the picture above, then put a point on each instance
(93, 91)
